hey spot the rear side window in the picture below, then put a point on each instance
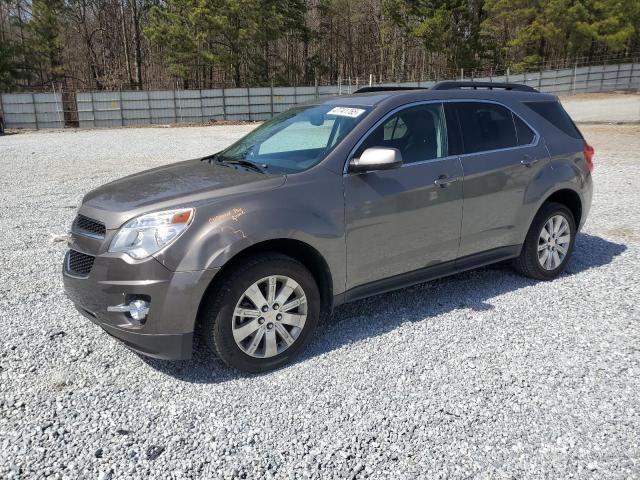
(486, 126)
(555, 114)
(523, 132)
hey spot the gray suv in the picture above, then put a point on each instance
(327, 203)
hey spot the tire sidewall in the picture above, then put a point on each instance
(223, 325)
(551, 211)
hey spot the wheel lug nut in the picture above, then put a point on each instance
(279, 316)
(265, 308)
(261, 320)
(269, 326)
(276, 306)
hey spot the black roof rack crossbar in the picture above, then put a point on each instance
(386, 89)
(489, 85)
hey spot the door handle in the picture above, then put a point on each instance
(444, 180)
(528, 161)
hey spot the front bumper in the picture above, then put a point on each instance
(114, 279)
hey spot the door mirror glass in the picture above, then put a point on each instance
(376, 158)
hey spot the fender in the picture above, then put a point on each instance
(563, 172)
(303, 209)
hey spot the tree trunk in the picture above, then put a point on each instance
(125, 43)
(136, 43)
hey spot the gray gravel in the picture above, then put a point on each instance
(484, 374)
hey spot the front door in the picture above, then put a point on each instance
(408, 218)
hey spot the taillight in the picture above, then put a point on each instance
(589, 152)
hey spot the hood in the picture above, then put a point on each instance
(180, 184)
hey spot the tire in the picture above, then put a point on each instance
(529, 263)
(220, 322)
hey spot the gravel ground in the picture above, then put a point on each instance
(484, 374)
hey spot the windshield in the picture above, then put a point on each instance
(295, 140)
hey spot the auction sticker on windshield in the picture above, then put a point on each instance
(346, 112)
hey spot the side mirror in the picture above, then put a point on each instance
(376, 158)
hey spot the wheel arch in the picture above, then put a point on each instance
(569, 198)
(301, 251)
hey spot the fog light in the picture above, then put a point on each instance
(138, 309)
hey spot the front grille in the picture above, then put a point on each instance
(88, 226)
(79, 263)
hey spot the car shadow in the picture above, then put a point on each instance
(473, 288)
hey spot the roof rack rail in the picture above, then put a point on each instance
(488, 85)
(386, 89)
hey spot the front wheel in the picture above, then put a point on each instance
(262, 314)
(549, 243)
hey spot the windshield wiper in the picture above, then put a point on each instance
(230, 161)
(212, 157)
(244, 163)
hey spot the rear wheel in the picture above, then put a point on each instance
(262, 314)
(549, 243)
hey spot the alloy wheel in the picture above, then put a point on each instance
(269, 316)
(553, 242)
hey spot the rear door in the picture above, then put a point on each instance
(408, 218)
(502, 155)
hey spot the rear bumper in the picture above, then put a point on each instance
(587, 198)
(174, 298)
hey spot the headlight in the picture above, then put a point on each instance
(145, 235)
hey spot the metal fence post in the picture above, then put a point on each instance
(617, 77)
(179, 109)
(573, 81)
(201, 109)
(507, 74)
(631, 74)
(175, 110)
(224, 105)
(604, 69)
(35, 113)
(93, 110)
(122, 109)
(271, 96)
(540, 79)
(249, 102)
(2, 105)
(55, 98)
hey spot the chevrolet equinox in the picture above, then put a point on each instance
(326, 203)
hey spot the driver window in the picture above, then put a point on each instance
(418, 132)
